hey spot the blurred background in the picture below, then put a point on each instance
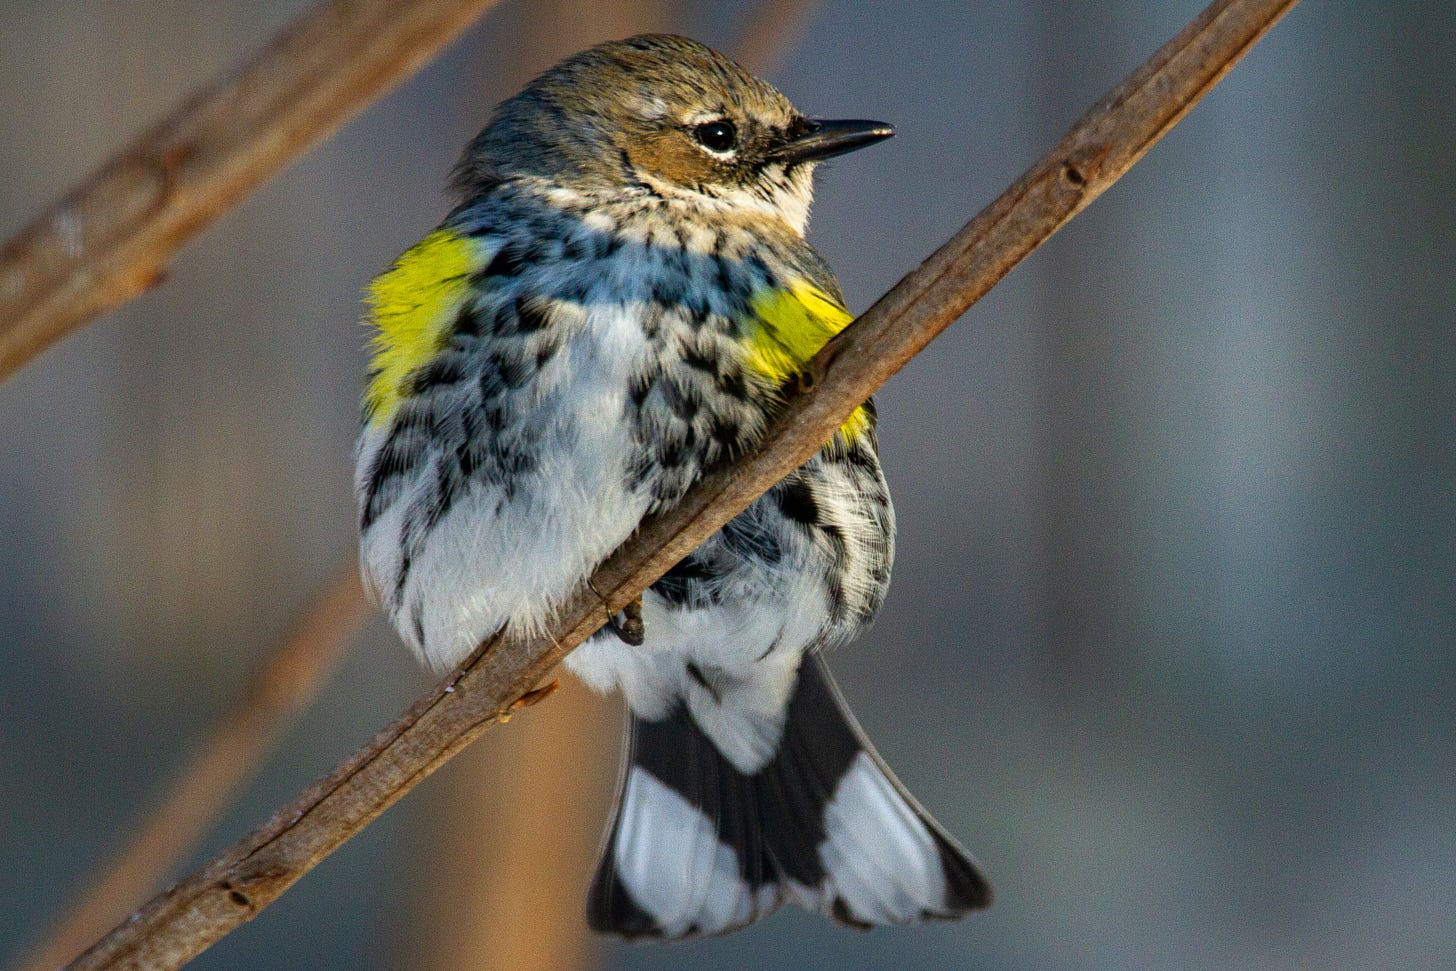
(1170, 642)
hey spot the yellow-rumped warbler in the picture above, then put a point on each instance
(613, 308)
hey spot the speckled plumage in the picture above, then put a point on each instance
(597, 364)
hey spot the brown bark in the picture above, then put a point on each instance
(112, 237)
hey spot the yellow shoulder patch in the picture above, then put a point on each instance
(411, 308)
(793, 323)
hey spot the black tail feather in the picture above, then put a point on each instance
(698, 847)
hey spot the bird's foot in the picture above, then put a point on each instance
(630, 628)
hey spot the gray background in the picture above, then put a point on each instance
(1169, 644)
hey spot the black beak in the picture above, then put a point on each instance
(826, 139)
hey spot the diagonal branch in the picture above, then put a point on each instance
(112, 236)
(234, 887)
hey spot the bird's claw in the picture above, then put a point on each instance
(630, 628)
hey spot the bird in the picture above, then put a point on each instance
(614, 307)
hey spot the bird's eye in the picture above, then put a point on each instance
(716, 136)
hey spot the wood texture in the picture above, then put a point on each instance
(112, 236)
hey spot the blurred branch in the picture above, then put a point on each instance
(770, 32)
(235, 886)
(283, 683)
(503, 883)
(498, 883)
(112, 236)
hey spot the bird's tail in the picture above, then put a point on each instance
(697, 847)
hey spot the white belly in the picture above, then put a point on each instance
(507, 553)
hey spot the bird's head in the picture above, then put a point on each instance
(664, 115)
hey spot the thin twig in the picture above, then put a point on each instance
(254, 872)
(112, 236)
(283, 683)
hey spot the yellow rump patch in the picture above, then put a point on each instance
(793, 324)
(411, 308)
